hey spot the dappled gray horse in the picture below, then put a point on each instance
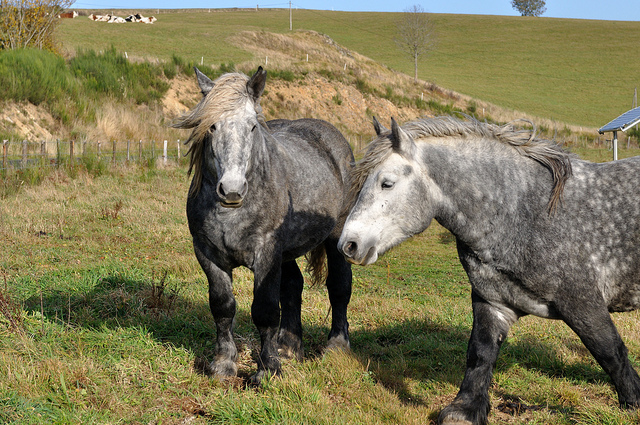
(538, 232)
(262, 195)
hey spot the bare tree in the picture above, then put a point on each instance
(529, 7)
(29, 23)
(416, 34)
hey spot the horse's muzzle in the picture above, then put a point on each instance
(355, 255)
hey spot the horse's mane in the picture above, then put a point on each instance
(546, 152)
(228, 94)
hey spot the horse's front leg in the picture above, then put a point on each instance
(265, 311)
(339, 287)
(223, 308)
(490, 328)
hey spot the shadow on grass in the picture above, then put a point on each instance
(419, 349)
(154, 304)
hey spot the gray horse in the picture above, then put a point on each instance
(538, 232)
(263, 194)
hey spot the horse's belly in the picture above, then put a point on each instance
(518, 299)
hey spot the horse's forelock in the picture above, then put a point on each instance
(377, 152)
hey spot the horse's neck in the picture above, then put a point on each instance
(481, 183)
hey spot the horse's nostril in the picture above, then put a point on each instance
(221, 191)
(350, 248)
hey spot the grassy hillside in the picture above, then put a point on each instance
(565, 70)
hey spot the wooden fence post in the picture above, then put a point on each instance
(128, 149)
(43, 152)
(4, 153)
(98, 150)
(140, 152)
(113, 159)
(71, 152)
(179, 152)
(24, 154)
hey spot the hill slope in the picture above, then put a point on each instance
(335, 84)
(559, 69)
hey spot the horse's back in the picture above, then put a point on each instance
(321, 135)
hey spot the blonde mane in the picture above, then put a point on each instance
(546, 152)
(228, 95)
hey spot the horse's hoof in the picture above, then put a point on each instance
(454, 421)
(338, 343)
(452, 417)
(223, 369)
(289, 353)
(260, 375)
(289, 346)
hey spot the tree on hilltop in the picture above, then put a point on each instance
(415, 35)
(529, 7)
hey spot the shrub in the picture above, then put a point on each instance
(36, 76)
(112, 74)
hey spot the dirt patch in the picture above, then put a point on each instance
(182, 95)
(27, 120)
(342, 105)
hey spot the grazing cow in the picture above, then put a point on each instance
(100, 18)
(116, 20)
(68, 15)
(149, 20)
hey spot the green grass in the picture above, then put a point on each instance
(104, 319)
(560, 69)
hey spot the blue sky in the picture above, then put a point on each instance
(613, 10)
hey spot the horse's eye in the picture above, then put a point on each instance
(386, 184)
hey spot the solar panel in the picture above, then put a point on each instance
(623, 122)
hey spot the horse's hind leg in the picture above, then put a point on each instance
(592, 322)
(223, 307)
(290, 335)
(339, 288)
(265, 312)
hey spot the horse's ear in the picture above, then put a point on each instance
(401, 142)
(255, 85)
(379, 127)
(204, 82)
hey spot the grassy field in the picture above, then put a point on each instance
(104, 319)
(559, 69)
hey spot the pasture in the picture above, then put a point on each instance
(104, 319)
(559, 69)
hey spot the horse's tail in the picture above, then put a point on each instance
(316, 265)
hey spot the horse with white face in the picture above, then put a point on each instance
(263, 194)
(538, 231)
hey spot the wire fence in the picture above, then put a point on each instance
(25, 154)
